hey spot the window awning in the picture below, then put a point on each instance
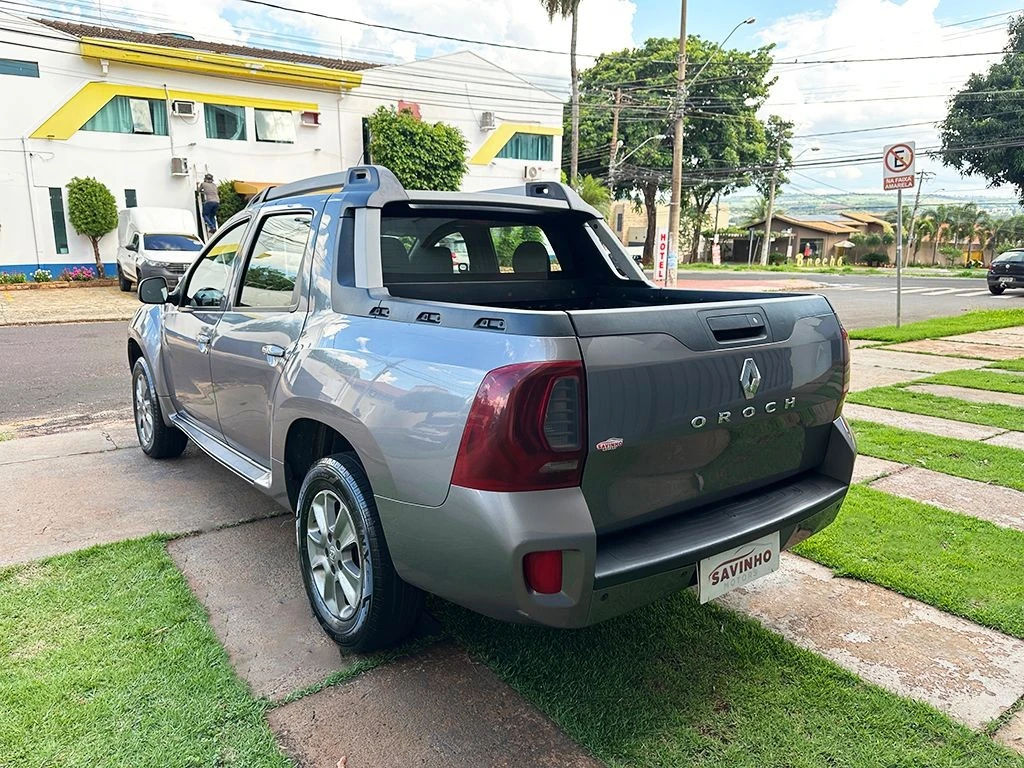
(252, 187)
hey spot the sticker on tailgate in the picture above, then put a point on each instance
(738, 566)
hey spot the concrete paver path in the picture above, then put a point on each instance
(868, 468)
(66, 305)
(949, 346)
(73, 500)
(439, 709)
(969, 672)
(1012, 734)
(1008, 440)
(969, 394)
(999, 505)
(919, 423)
(890, 357)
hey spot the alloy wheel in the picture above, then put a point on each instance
(335, 562)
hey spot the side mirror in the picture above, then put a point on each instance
(132, 247)
(153, 290)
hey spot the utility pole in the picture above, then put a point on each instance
(615, 139)
(675, 202)
(771, 204)
(921, 176)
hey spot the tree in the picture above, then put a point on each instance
(725, 145)
(985, 116)
(230, 201)
(93, 213)
(569, 9)
(422, 155)
(594, 192)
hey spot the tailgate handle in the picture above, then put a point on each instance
(739, 327)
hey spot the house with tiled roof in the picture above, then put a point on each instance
(821, 236)
(150, 113)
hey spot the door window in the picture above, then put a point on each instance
(270, 275)
(209, 280)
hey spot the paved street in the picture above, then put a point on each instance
(62, 375)
(863, 301)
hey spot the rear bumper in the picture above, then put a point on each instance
(470, 549)
(1007, 281)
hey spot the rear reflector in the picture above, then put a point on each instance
(543, 571)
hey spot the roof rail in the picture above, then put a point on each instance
(304, 186)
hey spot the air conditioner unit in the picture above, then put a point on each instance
(183, 108)
(179, 166)
(487, 121)
(533, 172)
(310, 119)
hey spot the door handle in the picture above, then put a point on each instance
(272, 350)
(203, 339)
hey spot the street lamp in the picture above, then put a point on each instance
(766, 245)
(675, 202)
(620, 160)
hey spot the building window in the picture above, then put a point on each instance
(273, 125)
(131, 200)
(126, 115)
(223, 122)
(60, 227)
(19, 68)
(529, 146)
(618, 221)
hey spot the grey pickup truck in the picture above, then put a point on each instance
(482, 397)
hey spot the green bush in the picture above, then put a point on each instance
(230, 201)
(9, 278)
(42, 276)
(92, 211)
(422, 155)
(876, 259)
(776, 258)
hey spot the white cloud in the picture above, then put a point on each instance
(850, 96)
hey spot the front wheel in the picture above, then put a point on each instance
(996, 290)
(157, 439)
(123, 282)
(353, 588)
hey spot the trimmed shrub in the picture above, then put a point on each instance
(876, 259)
(92, 211)
(11, 278)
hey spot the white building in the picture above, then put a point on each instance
(150, 114)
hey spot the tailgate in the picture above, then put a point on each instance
(708, 401)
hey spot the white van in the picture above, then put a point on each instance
(155, 241)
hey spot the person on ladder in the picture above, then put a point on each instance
(211, 203)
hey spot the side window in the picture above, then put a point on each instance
(270, 275)
(209, 281)
(524, 250)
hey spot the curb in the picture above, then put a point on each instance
(59, 285)
(74, 321)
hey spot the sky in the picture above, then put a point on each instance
(848, 100)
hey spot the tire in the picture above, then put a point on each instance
(996, 290)
(158, 441)
(123, 282)
(354, 591)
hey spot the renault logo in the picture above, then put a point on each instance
(750, 378)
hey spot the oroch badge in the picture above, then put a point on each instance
(750, 378)
(610, 444)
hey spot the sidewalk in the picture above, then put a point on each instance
(66, 305)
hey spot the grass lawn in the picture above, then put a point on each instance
(982, 320)
(957, 563)
(106, 659)
(1010, 365)
(679, 684)
(897, 398)
(963, 458)
(979, 379)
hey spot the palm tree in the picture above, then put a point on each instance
(569, 9)
(594, 192)
(924, 227)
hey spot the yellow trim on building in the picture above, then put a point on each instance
(253, 187)
(503, 134)
(63, 123)
(220, 64)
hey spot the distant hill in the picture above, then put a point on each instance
(801, 205)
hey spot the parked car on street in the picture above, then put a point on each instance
(1006, 271)
(545, 445)
(155, 242)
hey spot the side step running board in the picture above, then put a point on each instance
(245, 468)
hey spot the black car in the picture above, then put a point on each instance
(1007, 271)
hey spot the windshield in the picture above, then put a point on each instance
(172, 243)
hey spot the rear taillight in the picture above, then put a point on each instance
(847, 364)
(542, 571)
(526, 429)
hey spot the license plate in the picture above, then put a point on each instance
(736, 567)
(1005, 280)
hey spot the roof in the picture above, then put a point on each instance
(174, 40)
(865, 218)
(827, 227)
